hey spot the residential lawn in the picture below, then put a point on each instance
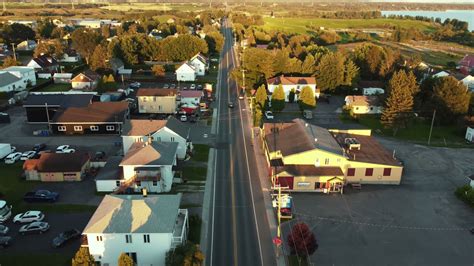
(194, 229)
(57, 87)
(194, 173)
(34, 259)
(12, 189)
(201, 153)
(293, 261)
(300, 25)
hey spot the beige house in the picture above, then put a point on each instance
(56, 167)
(305, 157)
(364, 104)
(157, 101)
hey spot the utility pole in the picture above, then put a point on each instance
(431, 128)
(14, 52)
(4, 7)
(72, 4)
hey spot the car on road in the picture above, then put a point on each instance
(65, 237)
(193, 86)
(39, 147)
(269, 115)
(173, 86)
(27, 155)
(65, 149)
(241, 96)
(183, 118)
(34, 227)
(13, 157)
(28, 217)
(5, 241)
(3, 229)
(135, 85)
(41, 195)
(230, 104)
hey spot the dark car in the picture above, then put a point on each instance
(230, 104)
(39, 147)
(100, 155)
(65, 237)
(41, 196)
(5, 241)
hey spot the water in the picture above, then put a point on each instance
(464, 15)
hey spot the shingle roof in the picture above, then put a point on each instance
(95, 112)
(199, 57)
(135, 214)
(190, 94)
(7, 78)
(58, 162)
(86, 76)
(467, 61)
(291, 80)
(137, 127)
(111, 170)
(156, 92)
(21, 69)
(363, 100)
(153, 154)
(310, 170)
(45, 61)
(178, 127)
(63, 100)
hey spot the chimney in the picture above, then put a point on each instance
(144, 192)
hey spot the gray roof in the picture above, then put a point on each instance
(153, 154)
(21, 69)
(135, 214)
(178, 127)
(7, 79)
(323, 139)
(62, 100)
(111, 170)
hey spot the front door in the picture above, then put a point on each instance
(285, 181)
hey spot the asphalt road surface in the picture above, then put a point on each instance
(239, 229)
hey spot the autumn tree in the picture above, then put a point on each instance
(351, 72)
(125, 260)
(399, 104)
(54, 48)
(278, 98)
(215, 41)
(84, 41)
(301, 241)
(83, 258)
(182, 47)
(406, 80)
(257, 117)
(158, 70)
(100, 58)
(10, 61)
(188, 254)
(307, 99)
(452, 98)
(261, 96)
(330, 71)
(375, 61)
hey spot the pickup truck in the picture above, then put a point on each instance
(41, 196)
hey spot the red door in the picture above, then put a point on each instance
(286, 181)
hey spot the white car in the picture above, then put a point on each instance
(28, 217)
(13, 157)
(135, 84)
(269, 115)
(65, 149)
(27, 155)
(193, 86)
(183, 118)
(35, 227)
(3, 229)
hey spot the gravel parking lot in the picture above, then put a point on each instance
(420, 222)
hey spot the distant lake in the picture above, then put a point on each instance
(464, 15)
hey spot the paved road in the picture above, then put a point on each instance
(239, 232)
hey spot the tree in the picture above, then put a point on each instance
(182, 48)
(85, 41)
(307, 99)
(278, 99)
(330, 71)
(291, 96)
(188, 254)
(215, 41)
(16, 33)
(83, 258)
(52, 48)
(100, 58)
(302, 241)
(110, 78)
(258, 115)
(399, 104)
(125, 260)
(261, 96)
(10, 61)
(351, 72)
(406, 80)
(452, 97)
(45, 28)
(158, 70)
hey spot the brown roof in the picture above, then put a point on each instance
(95, 112)
(143, 127)
(86, 76)
(310, 170)
(371, 151)
(58, 162)
(291, 80)
(45, 61)
(363, 100)
(156, 92)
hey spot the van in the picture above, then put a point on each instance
(5, 211)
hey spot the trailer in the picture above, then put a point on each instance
(5, 149)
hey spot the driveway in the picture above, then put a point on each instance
(420, 222)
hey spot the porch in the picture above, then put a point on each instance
(181, 227)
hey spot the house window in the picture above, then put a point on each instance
(94, 128)
(77, 128)
(139, 183)
(99, 238)
(146, 238)
(369, 171)
(117, 183)
(155, 183)
(371, 108)
(61, 128)
(357, 108)
(172, 139)
(387, 171)
(128, 238)
(144, 99)
(319, 185)
(159, 107)
(110, 128)
(303, 184)
(326, 161)
(154, 99)
(351, 172)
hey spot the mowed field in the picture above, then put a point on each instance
(155, 7)
(300, 25)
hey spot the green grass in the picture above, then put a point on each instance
(57, 87)
(293, 261)
(194, 173)
(201, 153)
(34, 259)
(299, 25)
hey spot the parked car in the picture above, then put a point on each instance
(199, 87)
(27, 155)
(5, 241)
(39, 147)
(65, 237)
(308, 114)
(185, 87)
(99, 155)
(183, 118)
(13, 157)
(230, 104)
(166, 86)
(4, 118)
(173, 86)
(41, 195)
(3, 229)
(269, 115)
(65, 149)
(34, 227)
(28, 217)
(135, 85)
(193, 86)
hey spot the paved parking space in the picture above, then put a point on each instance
(420, 222)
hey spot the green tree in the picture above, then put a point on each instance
(182, 48)
(406, 80)
(85, 41)
(16, 33)
(291, 96)
(399, 104)
(100, 58)
(307, 100)
(10, 61)
(452, 98)
(351, 72)
(45, 28)
(257, 117)
(215, 41)
(125, 260)
(83, 258)
(330, 71)
(278, 98)
(261, 96)
(53, 48)
(158, 70)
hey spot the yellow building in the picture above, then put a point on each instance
(305, 157)
(55, 167)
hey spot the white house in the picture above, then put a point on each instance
(362, 104)
(169, 130)
(200, 64)
(470, 134)
(64, 78)
(27, 74)
(186, 72)
(44, 63)
(70, 56)
(291, 83)
(10, 82)
(190, 97)
(28, 45)
(87, 80)
(372, 91)
(468, 81)
(145, 228)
